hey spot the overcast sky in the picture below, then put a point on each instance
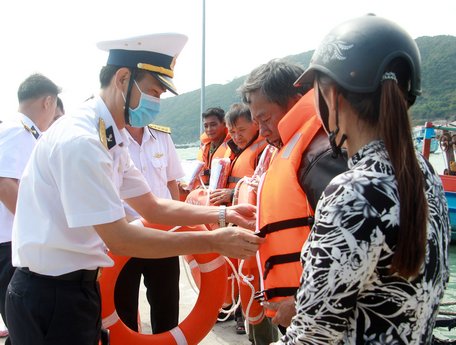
(57, 38)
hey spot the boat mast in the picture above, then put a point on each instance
(203, 68)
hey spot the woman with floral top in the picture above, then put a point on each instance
(376, 261)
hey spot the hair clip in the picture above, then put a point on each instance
(389, 76)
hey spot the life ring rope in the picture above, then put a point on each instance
(234, 277)
(247, 280)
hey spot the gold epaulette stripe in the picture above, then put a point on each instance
(156, 69)
(32, 130)
(160, 128)
(102, 132)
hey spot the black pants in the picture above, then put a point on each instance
(161, 278)
(6, 272)
(45, 311)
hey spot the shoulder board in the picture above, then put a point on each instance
(160, 128)
(31, 130)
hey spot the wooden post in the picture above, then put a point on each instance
(428, 134)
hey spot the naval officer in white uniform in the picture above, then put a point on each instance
(153, 152)
(69, 208)
(37, 96)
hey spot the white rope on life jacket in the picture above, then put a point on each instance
(234, 277)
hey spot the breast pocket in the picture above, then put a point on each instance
(159, 160)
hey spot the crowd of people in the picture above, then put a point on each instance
(341, 224)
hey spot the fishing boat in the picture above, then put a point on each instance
(447, 145)
(418, 138)
(446, 140)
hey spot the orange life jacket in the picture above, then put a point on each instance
(245, 163)
(284, 213)
(205, 156)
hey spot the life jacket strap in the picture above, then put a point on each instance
(286, 224)
(279, 259)
(233, 179)
(267, 294)
(206, 172)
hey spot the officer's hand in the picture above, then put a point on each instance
(235, 242)
(243, 215)
(285, 310)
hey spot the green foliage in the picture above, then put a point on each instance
(438, 100)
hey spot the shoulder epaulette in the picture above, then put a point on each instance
(32, 130)
(102, 132)
(160, 128)
(106, 135)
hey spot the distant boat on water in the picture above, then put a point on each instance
(418, 137)
(446, 143)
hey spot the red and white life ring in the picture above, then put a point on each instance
(194, 327)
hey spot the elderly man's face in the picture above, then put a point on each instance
(268, 115)
(243, 131)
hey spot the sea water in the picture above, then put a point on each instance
(436, 159)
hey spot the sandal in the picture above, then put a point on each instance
(240, 327)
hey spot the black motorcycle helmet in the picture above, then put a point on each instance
(355, 54)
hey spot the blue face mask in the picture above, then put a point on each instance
(146, 111)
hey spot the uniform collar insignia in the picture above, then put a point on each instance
(110, 138)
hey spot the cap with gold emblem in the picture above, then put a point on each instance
(156, 53)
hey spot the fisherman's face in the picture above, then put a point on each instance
(268, 115)
(243, 132)
(214, 128)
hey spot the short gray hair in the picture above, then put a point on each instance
(275, 81)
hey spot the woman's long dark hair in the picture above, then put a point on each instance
(395, 129)
(387, 109)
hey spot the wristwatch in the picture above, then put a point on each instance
(222, 216)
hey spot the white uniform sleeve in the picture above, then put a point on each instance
(89, 182)
(15, 149)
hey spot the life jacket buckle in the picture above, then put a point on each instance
(260, 296)
(310, 221)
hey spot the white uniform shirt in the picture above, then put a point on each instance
(16, 144)
(158, 161)
(71, 183)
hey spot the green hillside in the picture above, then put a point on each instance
(438, 102)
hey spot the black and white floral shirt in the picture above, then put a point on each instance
(346, 294)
